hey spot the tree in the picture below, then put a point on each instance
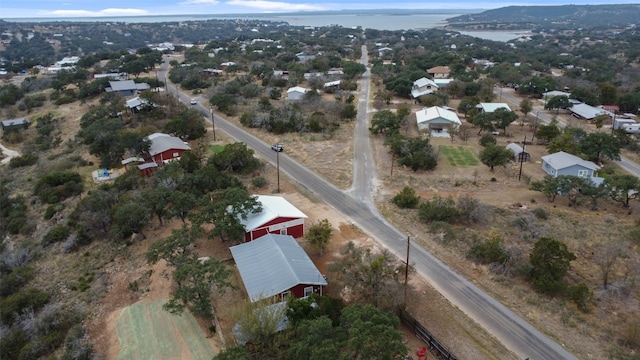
(180, 204)
(494, 155)
(157, 199)
(236, 157)
(593, 192)
(526, 107)
(623, 188)
(175, 248)
(564, 142)
(384, 122)
(372, 334)
(503, 118)
(187, 125)
(597, 146)
(224, 102)
(258, 324)
(548, 132)
(373, 278)
(484, 121)
(417, 153)
(130, 218)
(467, 106)
(488, 140)
(224, 209)
(600, 120)
(319, 234)
(548, 186)
(316, 339)
(550, 260)
(557, 103)
(605, 256)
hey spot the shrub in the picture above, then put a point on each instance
(438, 209)
(14, 280)
(24, 160)
(15, 303)
(491, 251)
(52, 210)
(258, 182)
(406, 198)
(540, 213)
(56, 234)
(471, 210)
(448, 231)
(581, 295)
(57, 186)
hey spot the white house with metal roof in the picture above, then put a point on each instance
(278, 216)
(423, 86)
(562, 163)
(491, 107)
(296, 93)
(437, 118)
(276, 266)
(126, 87)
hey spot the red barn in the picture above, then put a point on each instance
(277, 267)
(165, 148)
(278, 216)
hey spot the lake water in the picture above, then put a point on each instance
(381, 21)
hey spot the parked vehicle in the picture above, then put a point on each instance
(277, 148)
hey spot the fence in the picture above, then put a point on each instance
(421, 332)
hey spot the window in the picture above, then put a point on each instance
(285, 295)
(308, 291)
(176, 154)
(583, 173)
(283, 231)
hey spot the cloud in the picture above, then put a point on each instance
(103, 12)
(274, 5)
(200, 2)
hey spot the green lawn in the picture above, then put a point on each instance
(458, 156)
(214, 149)
(146, 331)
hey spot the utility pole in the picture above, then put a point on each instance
(406, 270)
(392, 157)
(278, 168)
(521, 156)
(213, 123)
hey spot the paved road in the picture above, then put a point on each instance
(544, 118)
(517, 335)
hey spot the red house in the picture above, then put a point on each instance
(278, 216)
(277, 267)
(165, 148)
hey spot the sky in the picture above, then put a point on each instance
(95, 8)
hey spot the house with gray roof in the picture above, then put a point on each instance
(587, 112)
(278, 216)
(126, 87)
(14, 124)
(562, 163)
(277, 267)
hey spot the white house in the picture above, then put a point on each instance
(437, 118)
(296, 93)
(423, 86)
(491, 107)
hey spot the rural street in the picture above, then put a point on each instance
(356, 205)
(508, 96)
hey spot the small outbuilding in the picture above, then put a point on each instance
(14, 124)
(278, 216)
(296, 93)
(519, 155)
(276, 266)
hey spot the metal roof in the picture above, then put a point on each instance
(491, 107)
(122, 85)
(436, 114)
(562, 160)
(273, 264)
(587, 111)
(14, 122)
(272, 207)
(517, 149)
(162, 142)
